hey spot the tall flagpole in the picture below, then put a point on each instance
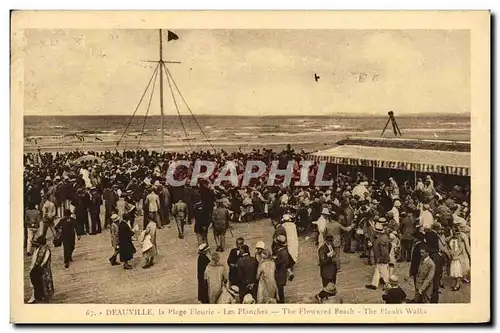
(161, 91)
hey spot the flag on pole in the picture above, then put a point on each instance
(171, 36)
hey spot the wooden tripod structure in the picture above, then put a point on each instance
(162, 69)
(395, 126)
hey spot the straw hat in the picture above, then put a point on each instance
(393, 279)
(203, 248)
(248, 299)
(115, 217)
(325, 211)
(382, 220)
(234, 290)
(379, 227)
(260, 245)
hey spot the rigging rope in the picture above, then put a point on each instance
(187, 106)
(149, 105)
(137, 107)
(176, 106)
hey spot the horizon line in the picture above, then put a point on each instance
(261, 115)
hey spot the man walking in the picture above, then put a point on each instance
(48, 216)
(180, 214)
(328, 262)
(67, 227)
(381, 249)
(284, 265)
(95, 211)
(153, 204)
(32, 219)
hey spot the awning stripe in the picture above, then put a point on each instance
(418, 167)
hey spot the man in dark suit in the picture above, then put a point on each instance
(284, 264)
(68, 227)
(232, 261)
(247, 273)
(328, 261)
(348, 220)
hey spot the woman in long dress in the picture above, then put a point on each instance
(456, 253)
(291, 237)
(216, 277)
(465, 255)
(267, 288)
(150, 251)
(41, 272)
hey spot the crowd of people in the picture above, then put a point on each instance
(427, 224)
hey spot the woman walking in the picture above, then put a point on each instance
(149, 249)
(216, 277)
(267, 288)
(41, 272)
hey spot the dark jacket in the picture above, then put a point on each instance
(432, 241)
(247, 270)
(232, 260)
(127, 248)
(328, 266)
(394, 296)
(283, 263)
(415, 258)
(203, 262)
(67, 227)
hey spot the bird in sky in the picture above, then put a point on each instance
(316, 77)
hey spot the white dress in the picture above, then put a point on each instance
(455, 265)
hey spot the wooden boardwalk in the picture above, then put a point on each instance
(91, 279)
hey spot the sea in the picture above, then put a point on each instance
(100, 133)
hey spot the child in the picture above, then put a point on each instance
(394, 294)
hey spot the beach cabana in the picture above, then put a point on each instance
(423, 157)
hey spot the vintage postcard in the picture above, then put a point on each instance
(250, 167)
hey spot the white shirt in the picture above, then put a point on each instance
(426, 219)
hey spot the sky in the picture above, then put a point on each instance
(250, 72)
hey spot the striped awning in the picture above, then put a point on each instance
(419, 160)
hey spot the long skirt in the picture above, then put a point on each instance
(456, 269)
